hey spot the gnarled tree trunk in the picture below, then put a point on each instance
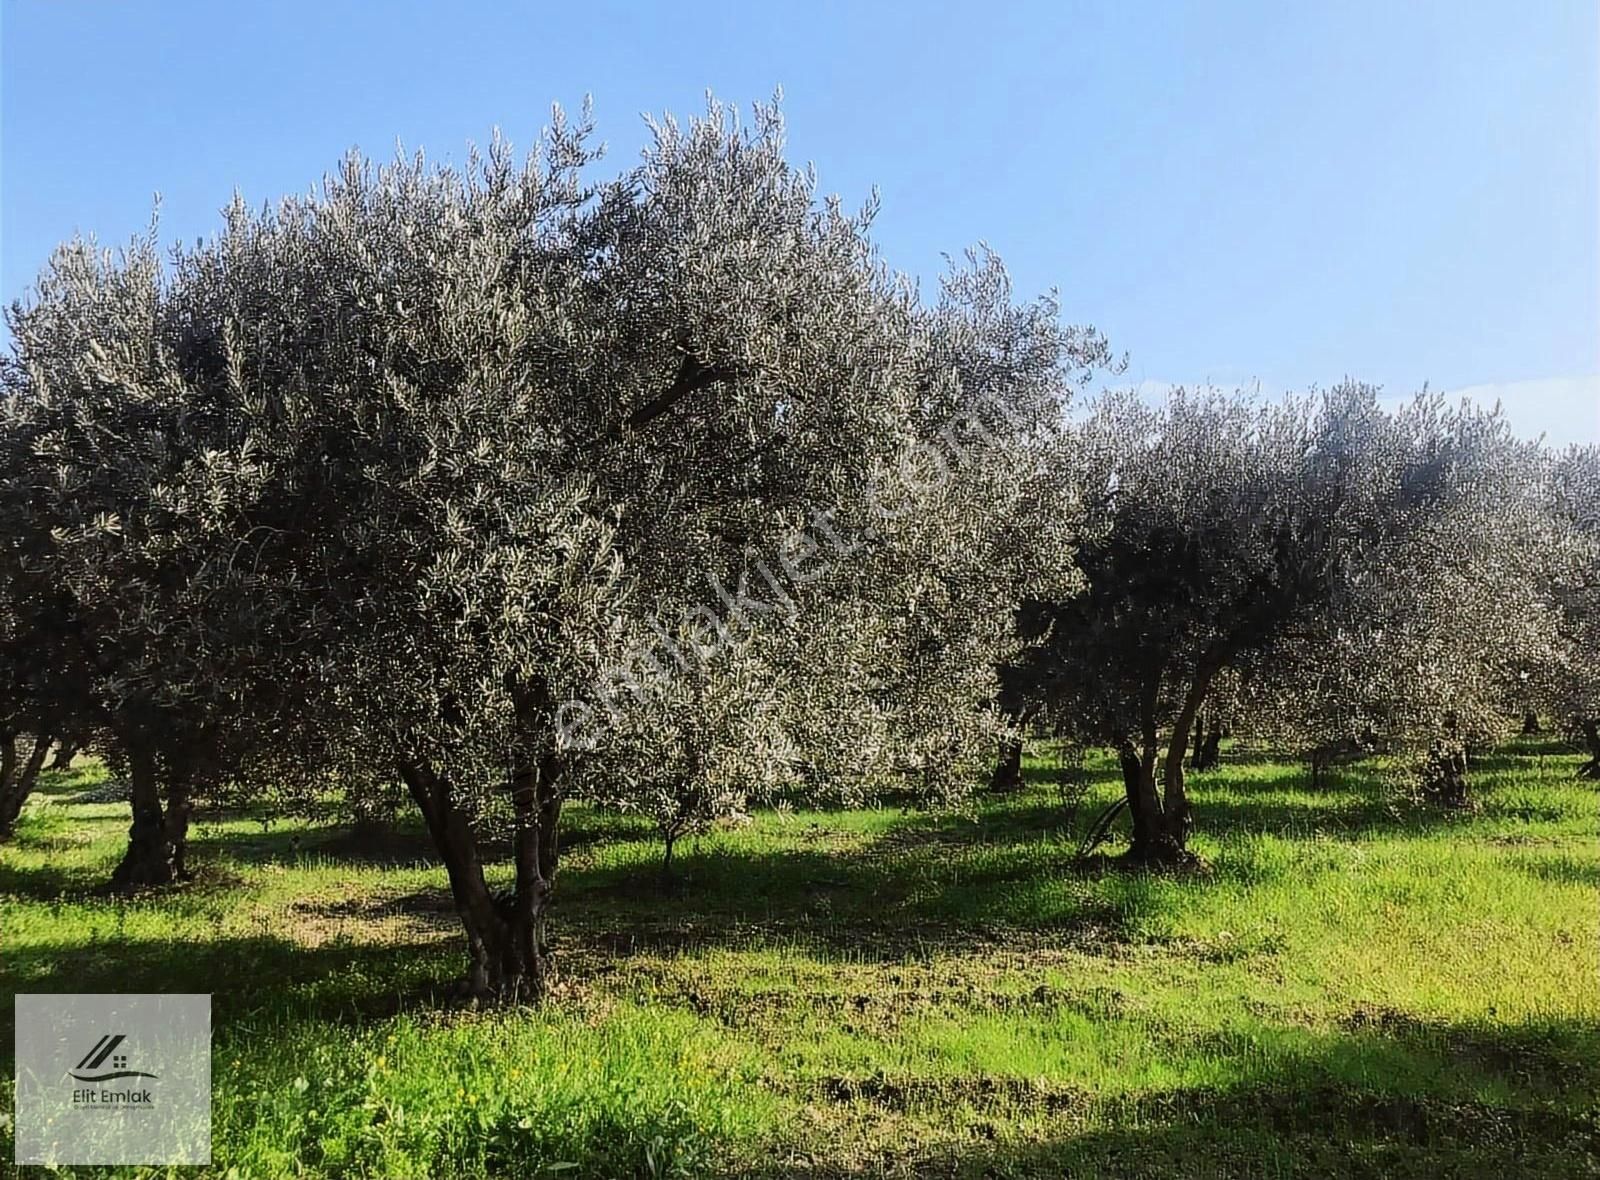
(508, 957)
(1144, 802)
(1161, 820)
(17, 779)
(1530, 723)
(1008, 767)
(156, 839)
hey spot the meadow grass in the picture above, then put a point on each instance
(1358, 984)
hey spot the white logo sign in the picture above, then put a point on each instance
(113, 1079)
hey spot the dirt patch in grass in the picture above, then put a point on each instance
(984, 1093)
(381, 919)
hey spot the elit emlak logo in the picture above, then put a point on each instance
(112, 1078)
(95, 1059)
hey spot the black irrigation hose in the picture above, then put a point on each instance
(1102, 826)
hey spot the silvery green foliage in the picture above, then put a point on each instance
(130, 484)
(1431, 631)
(880, 627)
(390, 473)
(1569, 683)
(1221, 531)
(701, 746)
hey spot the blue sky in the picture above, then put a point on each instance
(1281, 194)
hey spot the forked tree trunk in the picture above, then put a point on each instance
(155, 854)
(508, 958)
(1008, 768)
(65, 753)
(17, 779)
(1158, 837)
(1591, 738)
(1161, 818)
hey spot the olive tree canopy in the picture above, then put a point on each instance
(1220, 530)
(401, 472)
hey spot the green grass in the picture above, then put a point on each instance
(1357, 985)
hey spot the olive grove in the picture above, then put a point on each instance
(397, 474)
(662, 492)
(1318, 537)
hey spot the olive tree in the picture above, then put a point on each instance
(524, 416)
(1425, 650)
(1570, 681)
(388, 478)
(133, 496)
(695, 747)
(1219, 528)
(864, 659)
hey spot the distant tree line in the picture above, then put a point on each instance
(512, 486)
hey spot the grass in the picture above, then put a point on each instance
(1358, 985)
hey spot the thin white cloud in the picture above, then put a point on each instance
(1563, 409)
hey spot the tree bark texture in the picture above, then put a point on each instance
(18, 776)
(508, 956)
(157, 837)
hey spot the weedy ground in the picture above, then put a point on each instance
(1358, 985)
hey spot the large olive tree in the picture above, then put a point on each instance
(136, 509)
(1427, 649)
(1570, 682)
(1220, 528)
(502, 419)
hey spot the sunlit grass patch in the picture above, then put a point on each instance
(1353, 976)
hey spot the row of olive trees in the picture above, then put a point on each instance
(664, 493)
(1324, 571)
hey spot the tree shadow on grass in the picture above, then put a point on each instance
(392, 846)
(1405, 1099)
(1007, 875)
(401, 843)
(1287, 1130)
(1354, 805)
(247, 975)
(1560, 869)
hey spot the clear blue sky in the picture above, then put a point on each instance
(1284, 193)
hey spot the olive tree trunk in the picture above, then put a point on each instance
(1160, 811)
(65, 753)
(1590, 728)
(18, 777)
(1444, 773)
(159, 833)
(1007, 775)
(508, 957)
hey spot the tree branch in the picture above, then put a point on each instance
(692, 377)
